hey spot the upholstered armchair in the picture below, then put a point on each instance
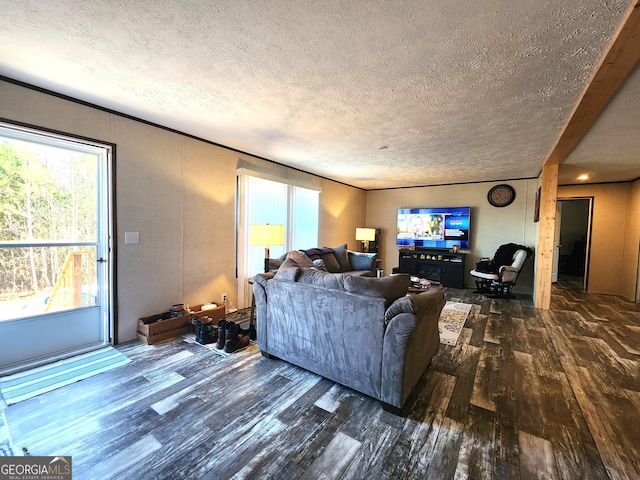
(497, 276)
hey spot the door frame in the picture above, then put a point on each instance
(555, 270)
(108, 213)
(587, 258)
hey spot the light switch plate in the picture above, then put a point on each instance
(131, 238)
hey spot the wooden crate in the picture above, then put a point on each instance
(216, 314)
(153, 329)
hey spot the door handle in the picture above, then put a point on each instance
(101, 260)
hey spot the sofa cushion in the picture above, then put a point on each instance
(301, 259)
(334, 281)
(289, 274)
(330, 262)
(390, 288)
(361, 261)
(288, 271)
(342, 257)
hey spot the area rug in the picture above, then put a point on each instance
(451, 321)
(31, 383)
(191, 338)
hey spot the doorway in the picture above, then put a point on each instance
(574, 241)
(55, 230)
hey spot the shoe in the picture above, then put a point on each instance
(234, 341)
(221, 334)
(205, 332)
(250, 332)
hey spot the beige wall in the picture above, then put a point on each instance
(490, 226)
(179, 193)
(613, 259)
(631, 267)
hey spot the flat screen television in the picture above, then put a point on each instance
(434, 227)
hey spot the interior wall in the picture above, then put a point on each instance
(490, 226)
(179, 193)
(613, 257)
(631, 268)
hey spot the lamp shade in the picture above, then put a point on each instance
(267, 234)
(366, 234)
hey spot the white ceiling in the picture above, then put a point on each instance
(457, 91)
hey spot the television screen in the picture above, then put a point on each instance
(434, 227)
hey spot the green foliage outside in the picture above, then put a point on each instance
(47, 194)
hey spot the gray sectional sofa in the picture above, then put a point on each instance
(364, 333)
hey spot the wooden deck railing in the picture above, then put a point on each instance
(67, 292)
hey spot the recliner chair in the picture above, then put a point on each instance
(497, 276)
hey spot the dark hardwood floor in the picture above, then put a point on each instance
(525, 393)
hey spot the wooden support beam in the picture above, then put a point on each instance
(546, 233)
(622, 57)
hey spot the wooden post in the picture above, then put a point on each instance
(77, 279)
(546, 232)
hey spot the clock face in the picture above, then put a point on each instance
(501, 195)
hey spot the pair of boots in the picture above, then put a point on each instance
(206, 332)
(231, 337)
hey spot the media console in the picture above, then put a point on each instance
(435, 265)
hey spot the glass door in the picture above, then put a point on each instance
(55, 226)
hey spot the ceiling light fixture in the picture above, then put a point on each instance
(583, 177)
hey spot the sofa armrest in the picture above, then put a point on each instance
(410, 342)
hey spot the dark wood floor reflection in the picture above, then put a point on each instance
(524, 394)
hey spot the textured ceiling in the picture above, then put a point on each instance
(457, 91)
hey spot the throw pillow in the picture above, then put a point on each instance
(331, 262)
(319, 263)
(287, 274)
(342, 257)
(288, 271)
(361, 261)
(301, 259)
(390, 288)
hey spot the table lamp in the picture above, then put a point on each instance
(365, 235)
(267, 235)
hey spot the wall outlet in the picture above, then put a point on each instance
(224, 298)
(131, 238)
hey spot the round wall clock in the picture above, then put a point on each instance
(501, 195)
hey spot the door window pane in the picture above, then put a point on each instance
(39, 280)
(49, 210)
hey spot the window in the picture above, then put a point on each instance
(265, 199)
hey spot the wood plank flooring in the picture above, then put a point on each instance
(524, 394)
